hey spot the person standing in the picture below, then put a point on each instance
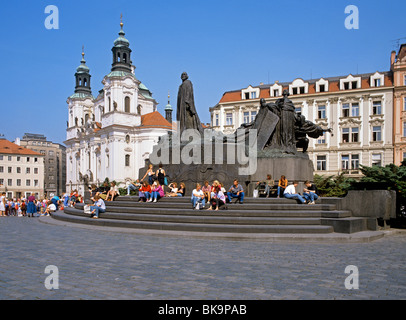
(31, 207)
(290, 192)
(160, 174)
(3, 205)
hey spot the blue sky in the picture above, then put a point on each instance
(223, 45)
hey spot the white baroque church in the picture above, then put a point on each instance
(111, 135)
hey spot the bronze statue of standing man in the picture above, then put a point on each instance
(186, 112)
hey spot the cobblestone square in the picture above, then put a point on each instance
(99, 264)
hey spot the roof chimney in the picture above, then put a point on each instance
(392, 58)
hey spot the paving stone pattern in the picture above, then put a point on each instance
(96, 264)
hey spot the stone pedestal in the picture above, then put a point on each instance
(222, 161)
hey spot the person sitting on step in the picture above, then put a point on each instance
(144, 192)
(310, 192)
(290, 192)
(98, 207)
(197, 198)
(157, 192)
(236, 191)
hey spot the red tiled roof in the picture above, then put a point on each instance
(334, 86)
(7, 147)
(155, 120)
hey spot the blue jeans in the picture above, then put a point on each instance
(97, 210)
(147, 195)
(234, 195)
(131, 187)
(310, 196)
(155, 195)
(195, 200)
(294, 196)
(279, 191)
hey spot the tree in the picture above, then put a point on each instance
(394, 177)
(333, 186)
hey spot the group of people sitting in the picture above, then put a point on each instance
(310, 192)
(216, 195)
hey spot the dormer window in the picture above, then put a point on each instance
(250, 93)
(377, 80)
(276, 90)
(298, 86)
(350, 82)
(322, 85)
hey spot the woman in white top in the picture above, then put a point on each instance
(174, 190)
(150, 172)
(3, 205)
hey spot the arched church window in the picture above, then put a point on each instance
(125, 57)
(127, 105)
(127, 160)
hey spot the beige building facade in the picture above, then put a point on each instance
(398, 67)
(359, 109)
(54, 161)
(21, 171)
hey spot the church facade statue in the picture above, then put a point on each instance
(187, 116)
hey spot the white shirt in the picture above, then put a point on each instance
(290, 189)
(198, 194)
(100, 203)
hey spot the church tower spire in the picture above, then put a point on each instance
(121, 52)
(83, 76)
(168, 110)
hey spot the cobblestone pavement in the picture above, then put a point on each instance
(96, 264)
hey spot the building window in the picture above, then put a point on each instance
(9, 169)
(28, 159)
(404, 106)
(18, 182)
(354, 161)
(321, 112)
(10, 158)
(1, 169)
(321, 163)
(229, 119)
(346, 85)
(322, 139)
(10, 182)
(345, 135)
(294, 90)
(322, 88)
(253, 115)
(1, 157)
(276, 92)
(127, 104)
(346, 110)
(345, 161)
(355, 110)
(376, 159)
(36, 170)
(377, 107)
(404, 157)
(377, 133)
(27, 170)
(217, 120)
(127, 160)
(404, 80)
(298, 111)
(377, 82)
(18, 158)
(404, 129)
(246, 117)
(253, 95)
(28, 183)
(354, 134)
(36, 183)
(1, 182)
